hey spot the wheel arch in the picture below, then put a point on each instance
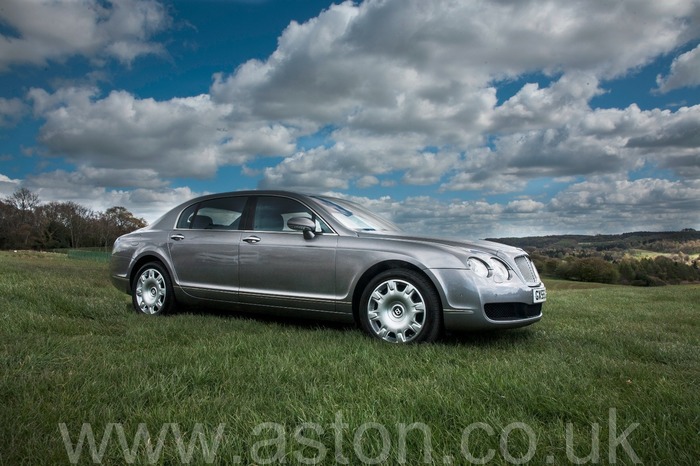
(143, 260)
(381, 267)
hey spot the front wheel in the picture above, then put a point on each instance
(401, 306)
(152, 290)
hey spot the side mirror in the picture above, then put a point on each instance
(303, 224)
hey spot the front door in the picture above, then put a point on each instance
(279, 267)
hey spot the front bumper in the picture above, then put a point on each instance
(474, 303)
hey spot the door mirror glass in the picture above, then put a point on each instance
(301, 224)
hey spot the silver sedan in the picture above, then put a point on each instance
(324, 258)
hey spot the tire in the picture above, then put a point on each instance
(152, 290)
(401, 306)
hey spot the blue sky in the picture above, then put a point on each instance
(479, 119)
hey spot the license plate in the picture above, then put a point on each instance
(539, 295)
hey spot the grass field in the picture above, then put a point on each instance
(644, 254)
(611, 375)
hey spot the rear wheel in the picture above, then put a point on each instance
(401, 306)
(152, 290)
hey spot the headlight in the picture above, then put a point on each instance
(500, 271)
(478, 267)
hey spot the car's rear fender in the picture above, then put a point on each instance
(146, 256)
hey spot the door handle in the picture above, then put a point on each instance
(251, 239)
(177, 237)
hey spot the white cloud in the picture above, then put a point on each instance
(524, 206)
(671, 140)
(367, 181)
(180, 137)
(312, 169)
(174, 138)
(428, 57)
(87, 188)
(685, 72)
(405, 75)
(410, 90)
(11, 111)
(654, 196)
(582, 142)
(90, 177)
(534, 108)
(609, 204)
(55, 30)
(602, 204)
(8, 185)
(149, 203)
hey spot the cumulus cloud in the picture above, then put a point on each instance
(534, 108)
(11, 110)
(122, 130)
(609, 204)
(601, 204)
(671, 140)
(415, 58)
(86, 187)
(680, 130)
(39, 31)
(427, 72)
(457, 218)
(148, 203)
(8, 185)
(685, 72)
(180, 137)
(524, 206)
(405, 91)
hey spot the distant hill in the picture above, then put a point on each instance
(639, 258)
(686, 241)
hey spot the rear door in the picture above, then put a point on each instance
(204, 248)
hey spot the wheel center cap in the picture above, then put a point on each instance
(397, 310)
(153, 292)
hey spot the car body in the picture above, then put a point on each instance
(325, 258)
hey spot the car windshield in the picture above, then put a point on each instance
(356, 217)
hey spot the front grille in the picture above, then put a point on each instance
(527, 269)
(512, 311)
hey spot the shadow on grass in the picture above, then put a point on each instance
(263, 317)
(483, 338)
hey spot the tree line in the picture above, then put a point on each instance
(657, 271)
(639, 258)
(27, 223)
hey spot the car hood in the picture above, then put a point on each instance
(483, 246)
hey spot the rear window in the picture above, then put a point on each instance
(214, 214)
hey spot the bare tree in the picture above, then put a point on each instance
(69, 219)
(24, 200)
(23, 224)
(26, 223)
(7, 213)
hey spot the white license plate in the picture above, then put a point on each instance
(539, 295)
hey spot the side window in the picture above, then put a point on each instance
(214, 214)
(273, 213)
(186, 217)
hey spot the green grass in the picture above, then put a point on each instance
(72, 352)
(645, 254)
